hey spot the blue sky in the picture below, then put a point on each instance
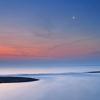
(50, 29)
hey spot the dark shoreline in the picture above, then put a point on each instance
(9, 79)
(93, 72)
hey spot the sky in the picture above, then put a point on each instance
(50, 29)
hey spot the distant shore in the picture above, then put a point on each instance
(94, 72)
(9, 79)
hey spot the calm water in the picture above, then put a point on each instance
(72, 86)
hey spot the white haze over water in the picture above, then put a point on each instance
(52, 69)
(73, 86)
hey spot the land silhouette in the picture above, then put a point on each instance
(10, 79)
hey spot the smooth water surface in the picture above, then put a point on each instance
(72, 86)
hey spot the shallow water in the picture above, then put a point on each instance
(71, 86)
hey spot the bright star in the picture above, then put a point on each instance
(73, 17)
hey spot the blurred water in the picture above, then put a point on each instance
(70, 86)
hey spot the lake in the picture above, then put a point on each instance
(67, 86)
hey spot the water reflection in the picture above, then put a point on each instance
(58, 87)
